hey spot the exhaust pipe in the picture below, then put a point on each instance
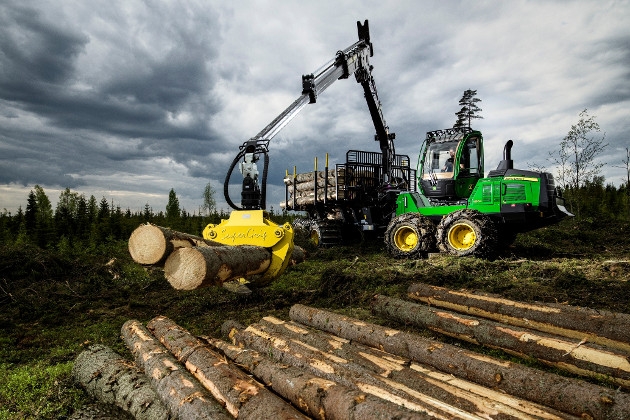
(507, 162)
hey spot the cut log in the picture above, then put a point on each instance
(491, 403)
(242, 396)
(298, 255)
(593, 361)
(320, 398)
(151, 244)
(192, 268)
(311, 193)
(111, 379)
(596, 326)
(565, 394)
(310, 176)
(422, 397)
(178, 389)
(310, 185)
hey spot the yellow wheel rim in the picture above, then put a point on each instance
(405, 238)
(314, 238)
(462, 236)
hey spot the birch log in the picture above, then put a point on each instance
(178, 389)
(150, 244)
(242, 396)
(573, 356)
(192, 268)
(485, 401)
(596, 326)
(565, 394)
(423, 398)
(320, 398)
(111, 379)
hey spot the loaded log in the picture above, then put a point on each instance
(593, 361)
(565, 394)
(596, 326)
(178, 389)
(150, 244)
(192, 268)
(242, 396)
(111, 379)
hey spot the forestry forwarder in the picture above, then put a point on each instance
(249, 224)
(462, 213)
(455, 209)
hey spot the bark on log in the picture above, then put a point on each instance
(575, 357)
(320, 398)
(310, 176)
(565, 394)
(486, 401)
(395, 373)
(111, 379)
(192, 268)
(151, 244)
(306, 194)
(298, 255)
(242, 396)
(310, 185)
(424, 398)
(596, 326)
(178, 389)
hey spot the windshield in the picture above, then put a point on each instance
(439, 159)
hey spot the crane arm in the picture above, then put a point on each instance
(352, 60)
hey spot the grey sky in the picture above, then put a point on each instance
(128, 99)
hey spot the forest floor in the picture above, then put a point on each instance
(53, 305)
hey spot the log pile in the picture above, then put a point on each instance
(324, 365)
(302, 187)
(577, 356)
(192, 262)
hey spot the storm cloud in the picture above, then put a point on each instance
(128, 99)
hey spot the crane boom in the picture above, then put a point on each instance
(351, 60)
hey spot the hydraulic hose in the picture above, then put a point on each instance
(226, 183)
(263, 188)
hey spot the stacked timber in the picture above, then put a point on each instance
(192, 262)
(324, 365)
(301, 187)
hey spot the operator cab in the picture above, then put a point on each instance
(451, 162)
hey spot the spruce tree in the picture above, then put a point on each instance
(469, 110)
(172, 208)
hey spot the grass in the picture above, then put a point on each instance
(53, 305)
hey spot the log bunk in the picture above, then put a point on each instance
(322, 365)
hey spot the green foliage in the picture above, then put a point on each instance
(172, 207)
(469, 110)
(576, 158)
(37, 390)
(209, 202)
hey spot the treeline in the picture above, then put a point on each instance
(80, 224)
(596, 201)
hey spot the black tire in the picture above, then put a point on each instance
(410, 235)
(325, 233)
(467, 233)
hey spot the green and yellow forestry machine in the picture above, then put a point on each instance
(459, 211)
(445, 204)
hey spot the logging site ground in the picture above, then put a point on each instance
(53, 305)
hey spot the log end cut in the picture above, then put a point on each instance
(185, 269)
(147, 245)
